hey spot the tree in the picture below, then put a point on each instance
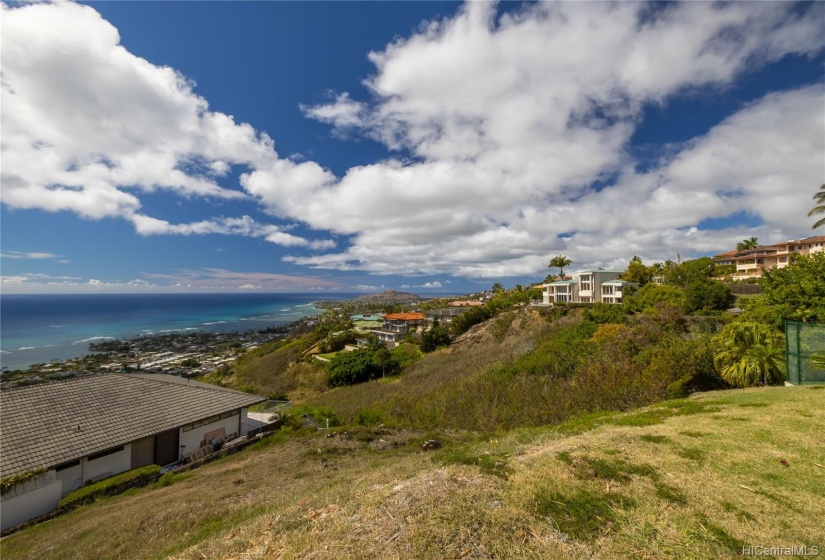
(704, 294)
(498, 287)
(680, 274)
(748, 353)
(793, 293)
(637, 272)
(560, 262)
(651, 294)
(349, 368)
(746, 244)
(819, 198)
(435, 337)
(382, 358)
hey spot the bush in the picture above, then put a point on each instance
(462, 323)
(602, 313)
(435, 337)
(294, 417)
(705, 294)
(358, 366)
(134, 478)
(336, 342)
(651, 294)
(369, 417)
(406, 353)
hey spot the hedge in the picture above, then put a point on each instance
(134, 478)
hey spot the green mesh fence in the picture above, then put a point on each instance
(805, 352)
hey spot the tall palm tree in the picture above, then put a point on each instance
(819, 198)
(746, 244)
(560, 262)
(748, 353)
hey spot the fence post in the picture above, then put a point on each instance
(788, 351)
(798, 353)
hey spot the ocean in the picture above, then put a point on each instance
(40, 328)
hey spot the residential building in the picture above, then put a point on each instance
(589, 286)
(397, 325)
(751, 262)
(89, 428)
(612, 291)
(466, 302)
(445, 316)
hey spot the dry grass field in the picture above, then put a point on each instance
(693, 478)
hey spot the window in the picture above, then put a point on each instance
(105, 453)
(68, 465)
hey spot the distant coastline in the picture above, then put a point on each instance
(44, 327)
(40, 328)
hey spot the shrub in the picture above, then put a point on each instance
(369, 417)
(435, 337)
(749, 353)
(651, 294)
(601, 313)
(294, 417)
(349, 368)
(406, 353)
(334, 343)
(704, 294)
(8, 483)
(474, 316)
(134, 478)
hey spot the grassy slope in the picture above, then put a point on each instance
(491, 344)
(281, 371)
(696, 478)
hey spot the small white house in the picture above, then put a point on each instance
(90, 428)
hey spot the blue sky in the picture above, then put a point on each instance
(423, 146)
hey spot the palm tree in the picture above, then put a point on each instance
(748, 353)
(560, 262)
(747, 244)
(819, 198)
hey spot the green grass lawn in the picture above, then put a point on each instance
(694, 478)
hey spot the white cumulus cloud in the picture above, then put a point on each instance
(512, 119)
(90, 128)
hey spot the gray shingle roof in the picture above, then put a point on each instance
(39, 424)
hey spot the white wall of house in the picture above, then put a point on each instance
(72, 478)
(108, 465)
(244, 421)
(14, 511)
(192, 438)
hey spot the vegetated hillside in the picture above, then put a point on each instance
(388, 296)
(521, 369)
(692, 478)
(277, 369)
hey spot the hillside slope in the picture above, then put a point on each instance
(693, 478)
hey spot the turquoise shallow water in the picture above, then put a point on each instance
(40, 328)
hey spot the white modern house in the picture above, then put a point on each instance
(90, 428)
(589, 286)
